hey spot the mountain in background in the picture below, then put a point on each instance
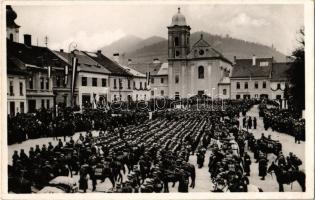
(145, 50)
(129, 44)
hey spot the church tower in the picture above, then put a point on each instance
(12, 27)
(178, 37)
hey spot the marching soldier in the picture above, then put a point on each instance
(247, 163)
(262, 166)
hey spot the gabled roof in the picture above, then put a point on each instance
(37, 56)
(280, 71)
(201, 43)
(244, 68)
(113, 67)
(85, 63)
(209, 52)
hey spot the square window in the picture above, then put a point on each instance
(162, 80)
(256, 85)
(238, 85)
(104, 82)
(84, 81)
(246, 85)
(162, 92)
(264, 84)
(94, 82)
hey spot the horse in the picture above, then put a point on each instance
(190, 168)
(101, 173)
(287, 177)
(18, 183)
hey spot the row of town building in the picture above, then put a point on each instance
(38, 77)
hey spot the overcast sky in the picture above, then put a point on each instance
(92, 27)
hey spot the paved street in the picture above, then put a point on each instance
(203, 183)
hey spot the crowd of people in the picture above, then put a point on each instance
(283, 121)
(152, 152)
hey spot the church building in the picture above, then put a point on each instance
(194, 70)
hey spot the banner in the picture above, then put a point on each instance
(49, 71)
(66, 74)
(74, 74)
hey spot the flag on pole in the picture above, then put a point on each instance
(148, 78)
(49, 71)
(74, 73)
(66, 74)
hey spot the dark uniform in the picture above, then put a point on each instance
(262, 167)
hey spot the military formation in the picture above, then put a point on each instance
(284, 121)
(144, 155)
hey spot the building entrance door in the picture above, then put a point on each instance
(12, 108)
(86, 100)
(31, 106)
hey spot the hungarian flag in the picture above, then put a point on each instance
(66, 74)
(74, 73)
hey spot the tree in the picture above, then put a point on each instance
(297, 74)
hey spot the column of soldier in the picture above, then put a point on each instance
(155, 153)
(285, 121)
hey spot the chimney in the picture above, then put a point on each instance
(234, 59)
(99, 52)
(28, 39)
(129, 61)
(61, 50)
(254, 60)
(116, 57)
(156, 60)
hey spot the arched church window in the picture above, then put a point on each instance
(11, 37)
(176, 41)
(224, 91)
(201, 72)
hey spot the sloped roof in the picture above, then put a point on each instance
(144, 68)
(85, 63)
(280, 71)
(13, 67)
(244, 68)
(163, 70)
(133, 71)
(113, 67)
(33, 55)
